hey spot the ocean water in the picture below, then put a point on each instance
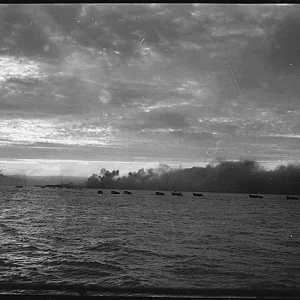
(143, 240)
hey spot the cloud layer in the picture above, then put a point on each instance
(193, 82)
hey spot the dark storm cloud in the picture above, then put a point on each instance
(66, 16)
(170, 120)
(139, 93)
(192, 135)
(123, 27)
(267, 66)
(22, 32)
(284, 49)
(58, 95)
(205, 38)
(111, 27)
(226, 128)
(156, 120)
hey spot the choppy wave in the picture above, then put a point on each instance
(108, 245)
(218, 241)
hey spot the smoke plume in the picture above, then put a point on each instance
(224, 176)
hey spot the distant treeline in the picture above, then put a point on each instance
(13, 180)
(226, 177)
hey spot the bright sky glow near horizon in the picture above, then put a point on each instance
(131, 86)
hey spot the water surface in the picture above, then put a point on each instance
(215, 241)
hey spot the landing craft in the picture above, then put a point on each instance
(255, 196)
(292, 198)
(159, 193)
(177, 193)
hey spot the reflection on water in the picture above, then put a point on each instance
(216, 241)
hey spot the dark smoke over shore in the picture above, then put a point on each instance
(226, 177)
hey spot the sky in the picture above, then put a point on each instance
(85, 87)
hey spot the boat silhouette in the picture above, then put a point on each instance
(99, 192)
(292, 198)
(197, 194)
(114, 192)
(159, 193)
(255, 196)
(176, 193)
(127, 193)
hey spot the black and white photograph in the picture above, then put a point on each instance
(150, 150)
